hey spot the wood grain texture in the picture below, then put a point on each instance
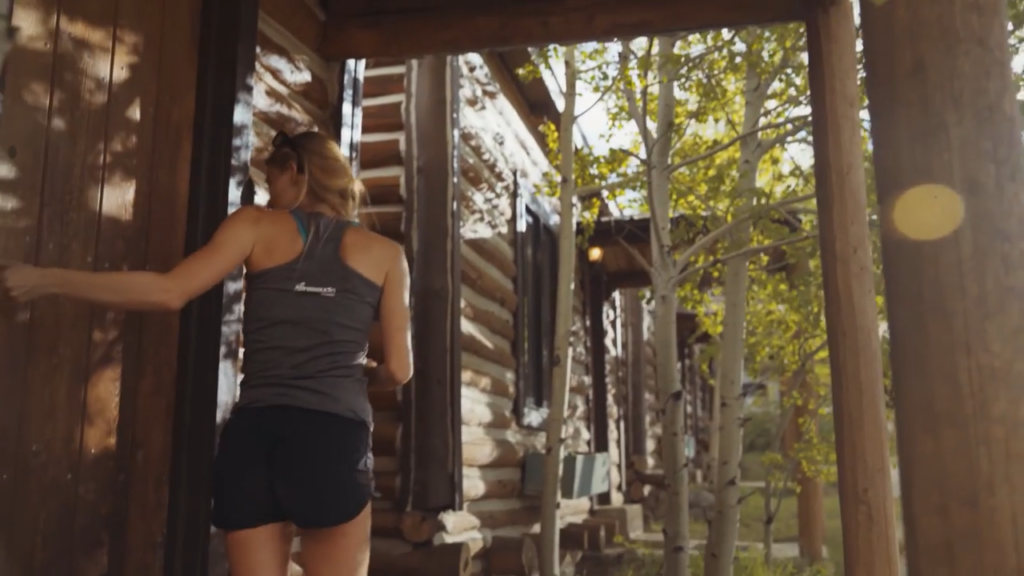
(23, 131)
(955, 312)
(851, 315)
(85, 186)
(172, 118)
(435, 288)
(450, 28)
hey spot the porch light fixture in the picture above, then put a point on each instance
(595, 253)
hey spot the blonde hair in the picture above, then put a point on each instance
(327, 173)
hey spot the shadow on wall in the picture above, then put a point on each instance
(95, 139)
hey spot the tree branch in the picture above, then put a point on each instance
(800, 124)
(702, 244)
(600, 97)
(677, 166)
(554, 78)
(728, 144)
(631, 99)
(748, 251)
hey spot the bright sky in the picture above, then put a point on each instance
(592, 128)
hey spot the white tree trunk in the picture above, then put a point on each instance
(722, 542)
(721, 547)
(671, 396)
(555, 438)
(714, 441)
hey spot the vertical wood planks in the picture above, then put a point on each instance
(97, 132)
(222, 145)
(24, 139)
(953, 289)
(172, 119)
(436, 286)
(851, 315)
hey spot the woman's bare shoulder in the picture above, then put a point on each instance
(376, 243)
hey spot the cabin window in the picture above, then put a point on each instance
(537, 272)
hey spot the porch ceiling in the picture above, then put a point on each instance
(404, 28)
(625, 245)
(624, 242)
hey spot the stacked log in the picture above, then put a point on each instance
(513, 556)
(496, 153)
(293, 86)
(440, 560)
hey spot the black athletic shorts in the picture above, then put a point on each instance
(281, 463)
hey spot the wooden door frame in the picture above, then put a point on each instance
(223, 119)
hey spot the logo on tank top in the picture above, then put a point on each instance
(301, 287)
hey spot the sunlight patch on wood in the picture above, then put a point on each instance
(35, 27)
(8, 170)
(9, 202)
(118, 201)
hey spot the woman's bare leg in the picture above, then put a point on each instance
(261, 551)
(340, 551)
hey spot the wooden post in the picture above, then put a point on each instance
(598, 366)
(637, 418)
(946, 128)
(436, 288)
(809, 500)
(221, 146)
(862, 448)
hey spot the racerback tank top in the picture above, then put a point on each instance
(306, 327)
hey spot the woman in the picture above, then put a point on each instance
(296, 449)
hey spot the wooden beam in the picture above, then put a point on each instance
(954, 296)
(614, 231)
(220, 168)
(637, 408)
(407, 407)
(634, 279)
(635, 231)
(598, 366)
(298, 19)
(436, 288)
(501, 24)
(862, 446)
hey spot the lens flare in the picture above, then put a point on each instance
(928, 212)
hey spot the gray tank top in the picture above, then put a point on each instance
(306, 327)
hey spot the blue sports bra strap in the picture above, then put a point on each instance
(300, 223)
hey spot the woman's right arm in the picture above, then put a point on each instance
(395, 329)
(143, 290)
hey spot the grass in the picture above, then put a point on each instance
(785, 527)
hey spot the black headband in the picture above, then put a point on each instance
(283, 141)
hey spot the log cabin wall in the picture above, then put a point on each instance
(97, 131)
(497, 156)
(653, 458)
(615, 370)
(383, 141)
(294, 88)
(645, 474)
(648, 461)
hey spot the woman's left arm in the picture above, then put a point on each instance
(137, 290)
